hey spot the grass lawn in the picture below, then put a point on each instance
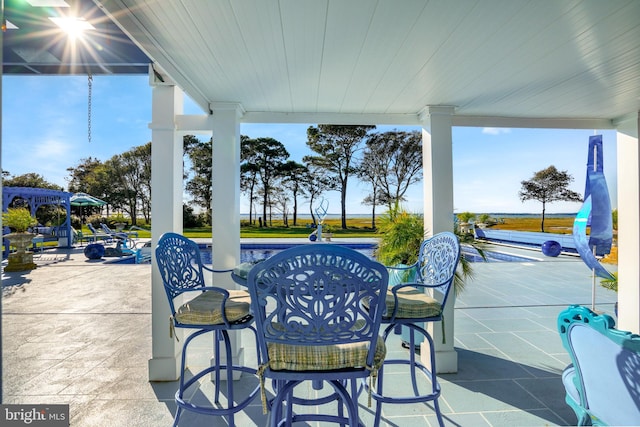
(561, 225)
(361, 227)
(356, 227)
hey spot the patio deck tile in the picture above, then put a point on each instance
(533, 418)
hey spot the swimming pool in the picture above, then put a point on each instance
(250, 252)
(257, 251)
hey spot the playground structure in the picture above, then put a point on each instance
(321, 211)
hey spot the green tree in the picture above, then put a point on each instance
(31, 180)
(189, 218)
(199, 183)
(248, 171)
(547, 186)
(83, 176)
(337, 147)
(292, 174)
(368, 172)
(130, 176)
(90, 176)
(269, 157)
(314, 182)
(395, 158)
(93, 177)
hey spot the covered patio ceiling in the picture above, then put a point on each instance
(497, 62)
(512, 62)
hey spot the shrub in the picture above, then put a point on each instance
(96, 220)
(18, 219)
(117, 218)
(401, 235)
(466, 216)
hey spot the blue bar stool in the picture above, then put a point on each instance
(208, 309)
(407, 304)
(312, 328)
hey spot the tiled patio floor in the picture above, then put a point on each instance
(78, 332)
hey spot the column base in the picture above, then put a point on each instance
(446, 360)
(164, 369)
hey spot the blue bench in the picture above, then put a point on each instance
(603, 381)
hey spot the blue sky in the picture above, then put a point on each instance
(45, 131)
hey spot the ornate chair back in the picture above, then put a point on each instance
(180, 265)
(310, 296)
(437, 262)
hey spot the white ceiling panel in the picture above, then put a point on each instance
(387, 60)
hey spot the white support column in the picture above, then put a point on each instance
(225, 208)
(629, 224)
(437, 161)
(166, 213)
(226, 185)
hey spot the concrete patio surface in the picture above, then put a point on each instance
(78, 332)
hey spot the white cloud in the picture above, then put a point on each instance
(495, 131)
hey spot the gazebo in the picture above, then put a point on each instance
(36, 197)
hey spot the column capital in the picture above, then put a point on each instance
(432, 110)
(227, 106)
(629, 124)
(158, 77)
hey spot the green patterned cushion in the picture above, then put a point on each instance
(317, 358)
(412, 304)
(206, 308)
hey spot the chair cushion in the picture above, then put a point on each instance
(206, 308)
(320, 358)
(412, 304)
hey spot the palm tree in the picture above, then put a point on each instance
(402, 233)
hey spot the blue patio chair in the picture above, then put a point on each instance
(207, 309)
(99, 235)
(119, 234)
(409, 305)
(311, 327)
(603, 381)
